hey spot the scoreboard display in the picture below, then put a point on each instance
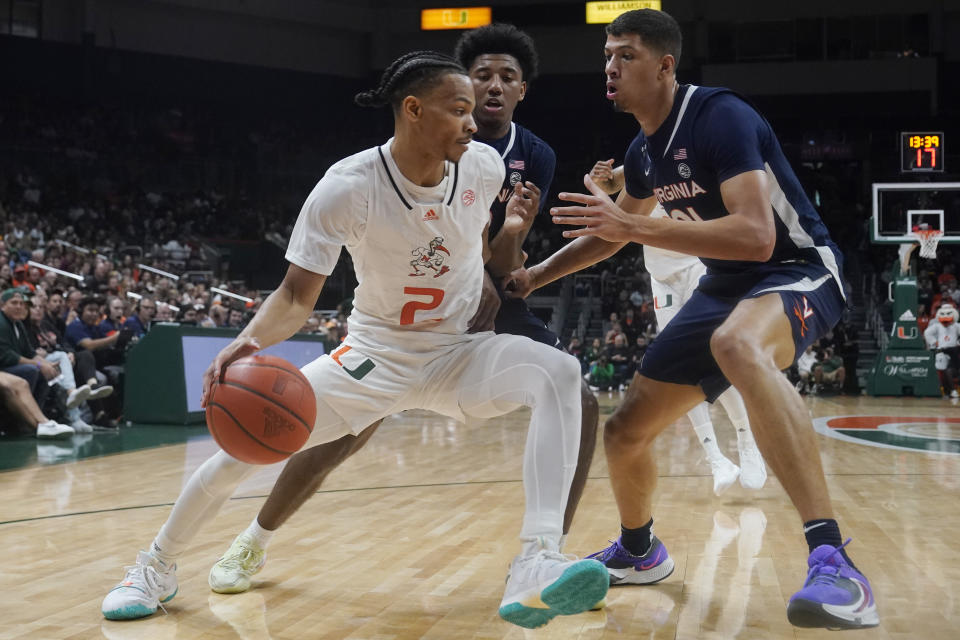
(921, 152)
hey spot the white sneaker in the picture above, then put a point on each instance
(546, 584)
(146, 584)
(79, 426)
(232, 572)
(100, 392)
(51, 429)
(725, 473)
(753, 472)
(78, 396)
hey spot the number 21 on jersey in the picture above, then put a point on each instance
(409, 310)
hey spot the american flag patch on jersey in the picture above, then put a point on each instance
(680, 154)
(517, 164)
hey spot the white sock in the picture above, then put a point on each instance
(258, 533)
(48, 423)
(700, 417)
(563, 542)
(732, 403)
(532, 546)
(201, 498)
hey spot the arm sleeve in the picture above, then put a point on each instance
(542, 171)
(636, 168)
(729, 136)
(332, 216)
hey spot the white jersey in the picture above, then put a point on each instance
(419, 265)
(661, 264)
(939, 336)
(673, 277)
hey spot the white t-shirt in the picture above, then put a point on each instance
(417, 251)
(662, 264)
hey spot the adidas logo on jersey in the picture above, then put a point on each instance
(430, 216)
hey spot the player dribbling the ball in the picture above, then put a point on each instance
(426, 189)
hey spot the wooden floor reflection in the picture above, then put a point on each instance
(412, 537)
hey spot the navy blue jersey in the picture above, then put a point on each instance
(527, 158)
(713, 134)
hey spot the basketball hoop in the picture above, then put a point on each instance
(928, 239)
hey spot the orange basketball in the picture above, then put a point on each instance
(262, 411)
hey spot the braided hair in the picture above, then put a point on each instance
(409, 74)
(499, 38)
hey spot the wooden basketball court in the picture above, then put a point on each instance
(412, 537)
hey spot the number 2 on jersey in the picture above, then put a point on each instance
(411, 308)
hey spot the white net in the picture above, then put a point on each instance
(928, 239)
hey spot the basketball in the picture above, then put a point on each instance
(262, 411)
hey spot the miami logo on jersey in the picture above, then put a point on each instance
(661, 303)
(431, 258)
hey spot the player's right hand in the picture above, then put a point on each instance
(241, 347)
(519, 284)
(602, 175)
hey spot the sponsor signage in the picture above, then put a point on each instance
(606, 12)
(456, 18)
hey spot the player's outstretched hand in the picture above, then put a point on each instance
(483, 319)
(602, 175)
(241, 347)
(598, 216)
(522, 207)
(519, 284)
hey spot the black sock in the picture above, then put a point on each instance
(636, 541)
(825, 531)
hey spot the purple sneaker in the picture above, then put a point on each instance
(626, 568)
(835, 595)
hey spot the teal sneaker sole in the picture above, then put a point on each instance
(578, 589)
(134, 611)
(526, 617)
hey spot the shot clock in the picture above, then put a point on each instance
(921, 152)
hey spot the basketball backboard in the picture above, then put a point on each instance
(901, 207)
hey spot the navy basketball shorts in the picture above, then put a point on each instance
(681, 352)
(516, 318)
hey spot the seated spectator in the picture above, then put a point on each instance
(114, 320)
(20, 278)
(14, 344)
(831, 370)
(806, 364)
(55, 367)
(631, 325)
(575, 348)
(619, 355)
(16, 399)
(203, 318)
(188, 315)
(615, 330)
(53, 318)
(235, 318)
(164, 312)
(218, 314)
(592, 353)
(601, 376)
(85, 333)
(139, 322)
